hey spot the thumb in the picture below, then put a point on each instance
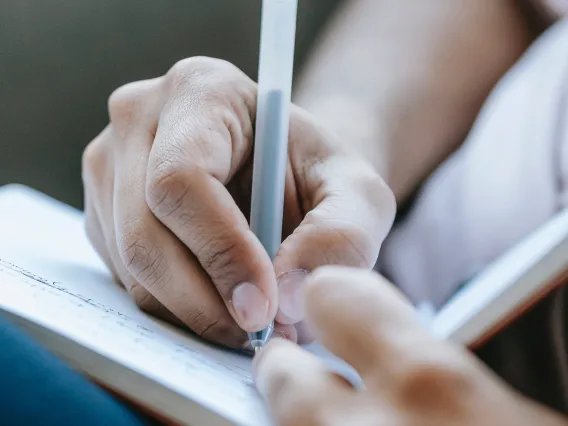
(346, 225)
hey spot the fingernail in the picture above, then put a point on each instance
(291, 295)
(251, 307)
(281, 335)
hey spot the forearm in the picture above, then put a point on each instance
(403, 80)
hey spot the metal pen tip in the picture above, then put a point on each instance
(258, 339)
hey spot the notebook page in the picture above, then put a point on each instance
(215, 379)
(50, 274)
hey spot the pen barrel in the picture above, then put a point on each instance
(272, 121)
(269, 175)
(277, 43)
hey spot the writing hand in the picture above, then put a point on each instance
(167, 194)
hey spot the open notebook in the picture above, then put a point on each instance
(54, 285)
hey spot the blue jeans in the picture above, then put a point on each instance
(36, 388)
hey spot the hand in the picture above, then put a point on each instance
(410, 378)
(167, 190)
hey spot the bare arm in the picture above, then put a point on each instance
(403, 80)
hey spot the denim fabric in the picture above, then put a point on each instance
(36, 388)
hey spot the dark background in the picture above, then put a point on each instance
(61, 59)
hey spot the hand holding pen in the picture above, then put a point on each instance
(168, 193)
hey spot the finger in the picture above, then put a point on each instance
(287, 332)
(95, 234)
(204, 136)
(98, 177)
(298, 387)
(305, 335)
(364, 320)
(163, 265)
(154, 257)
(98, 186)
(349, 209)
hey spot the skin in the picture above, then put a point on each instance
(363, 319)
(554, 8)
(167, 189)
(167, 183)
(410, 377)
(403, 81)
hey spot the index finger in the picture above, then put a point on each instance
(297, 386)
(203, 139)
(364, 320)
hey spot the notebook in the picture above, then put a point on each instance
(508, 287)
(53, 284)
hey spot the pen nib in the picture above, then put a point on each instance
(257, 349)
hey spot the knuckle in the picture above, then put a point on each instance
(125, 104)
(435, 381)
(224, 333)
(92, 161)
(215, 329)
(347, 242)
(142, 259)
(167, 188)
(222, 259)
(143, 298)
(212, 81)
(191, 70)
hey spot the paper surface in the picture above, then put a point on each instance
(50, 274)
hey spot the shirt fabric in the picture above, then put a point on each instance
(508, 178)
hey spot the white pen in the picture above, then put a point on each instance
(275, 74)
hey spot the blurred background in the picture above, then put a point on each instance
(61, 59)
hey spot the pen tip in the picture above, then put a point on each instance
(256, 350)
